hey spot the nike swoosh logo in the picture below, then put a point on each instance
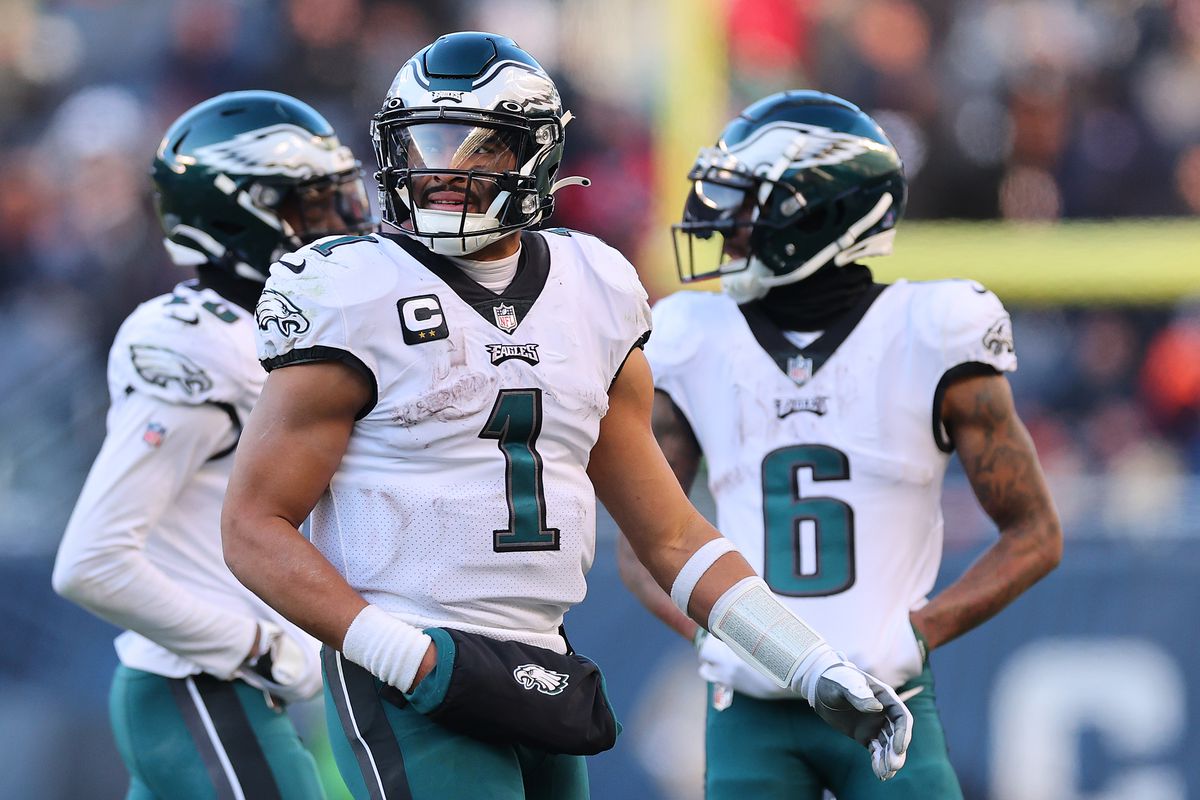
(193, 321)
(296, 268)
(911, 693)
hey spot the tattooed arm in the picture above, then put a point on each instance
(998, 456)
(679, 445)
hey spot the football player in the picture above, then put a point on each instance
(206, 666)
(448, 399)
(827, 407)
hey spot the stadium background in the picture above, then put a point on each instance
(1053, 149)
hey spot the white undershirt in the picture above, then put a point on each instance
(802, 339)
(494, 276)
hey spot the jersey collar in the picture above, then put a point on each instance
(533, 268)
(786, 355)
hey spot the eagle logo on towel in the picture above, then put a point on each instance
(535, 676)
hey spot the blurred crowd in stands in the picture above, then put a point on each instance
(1023, 110)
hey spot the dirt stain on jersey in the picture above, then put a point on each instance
(461, 395)
(582, 401)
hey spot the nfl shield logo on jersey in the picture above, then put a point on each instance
(799, 369)
(506, 317)
(154, 434)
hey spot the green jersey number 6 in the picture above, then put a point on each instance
(809, 546)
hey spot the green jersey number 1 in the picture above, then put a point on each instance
(813, 559)
(515, 423)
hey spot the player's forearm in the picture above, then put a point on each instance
(126, 589)
(643, 586)
(666, 556)
(273, 560)
(1015, 562)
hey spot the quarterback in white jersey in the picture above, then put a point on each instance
(448, 400)
(827, 407)
(205, 664)
(462, 499)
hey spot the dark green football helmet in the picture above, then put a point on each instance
(811, 176)
(244, 177)
(469, 140)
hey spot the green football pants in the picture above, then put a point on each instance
(781, 750)
(202, 738)
(386, 752)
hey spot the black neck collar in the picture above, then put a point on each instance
(801, 363)
(816, 302)
(240, 291)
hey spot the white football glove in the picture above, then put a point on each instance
(860, 706)
(281, 668)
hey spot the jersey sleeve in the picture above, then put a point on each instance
(975, 338)
(629, 321)
(307, 312)
(976, 329)
(675, 342)
(152, 449)
(175, 358)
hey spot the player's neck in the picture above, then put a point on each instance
(815, 302)
(494, 275)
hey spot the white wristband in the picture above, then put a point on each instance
(389, 648)
(695, 567)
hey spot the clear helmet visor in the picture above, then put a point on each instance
(455, 166)
(717, 215)
(710, 201)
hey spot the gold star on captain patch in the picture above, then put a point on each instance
(421, 334)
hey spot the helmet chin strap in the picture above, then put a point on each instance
(756, 279)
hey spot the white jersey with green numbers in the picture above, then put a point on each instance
(462, 500)
(826, 461)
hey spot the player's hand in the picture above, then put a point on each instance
(868, 711)
(281, 668)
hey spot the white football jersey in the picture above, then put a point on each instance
(462, 500)
(148, 519)
(826, 462)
